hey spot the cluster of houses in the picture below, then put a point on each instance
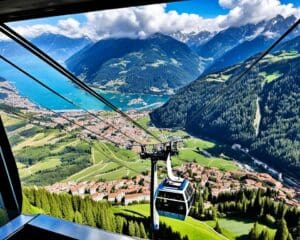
(123, 191)
(111, 128)
(220, 181)
(12, 97)
(127, 191)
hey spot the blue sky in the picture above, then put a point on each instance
(208, 8)
(204, 8)
(184, 16)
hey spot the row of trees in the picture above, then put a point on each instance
(255, 204)
(282, 232)
(88, 212)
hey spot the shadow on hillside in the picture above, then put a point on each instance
(134, 212)
(243, 237)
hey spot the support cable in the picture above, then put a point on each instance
(40, 54)
(64, 98)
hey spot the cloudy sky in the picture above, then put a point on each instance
(188, 16)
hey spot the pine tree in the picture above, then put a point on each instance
(200, 205)
(214, 213)
(66, 206)
(143, 231)
(76, 202)
(290, 237)
(90, 217)
(282, 232)
(78, 217)
(131, 228)
(265, 235)
(119, 224)
(137, 230)
(205, 194)
(54, 207)
(254, 233)
(218, 228)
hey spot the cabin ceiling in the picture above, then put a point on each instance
(14, 10)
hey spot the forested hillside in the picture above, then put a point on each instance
(157, 64)
(88, 212)
(260, 111)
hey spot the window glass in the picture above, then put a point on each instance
(3, 213)
(170, 206)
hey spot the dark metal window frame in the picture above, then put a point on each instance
(10, 185)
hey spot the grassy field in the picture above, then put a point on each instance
(238, 228)
(111, 163)
(190, 153)
(194, 229)
(270, 77)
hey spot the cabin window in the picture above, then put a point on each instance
(169, 195)
(170, 206)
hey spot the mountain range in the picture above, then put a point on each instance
(56, 46)
(236, 44)
(158, 64)
(260, 111)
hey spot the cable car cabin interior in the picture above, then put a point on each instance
(174, 199)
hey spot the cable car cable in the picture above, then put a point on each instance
(40, 54)
(63, 97)
(95, 146)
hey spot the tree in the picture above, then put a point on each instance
(142, 231)
(218, 228)
(76, 202)
(200, 206)
(78, 217)
(214, 213)
(205, 194)
(54, 207)
(137, 230)
(66, 206)
(119, 224)
(265, 235)
(254, 233)
(131, 228)
(282, 232)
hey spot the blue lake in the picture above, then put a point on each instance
(37, 94)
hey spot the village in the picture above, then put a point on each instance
(98, 123)
(135, 190)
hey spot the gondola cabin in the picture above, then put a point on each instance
(174, 199)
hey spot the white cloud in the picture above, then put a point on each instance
(144, 21)
(253, 11)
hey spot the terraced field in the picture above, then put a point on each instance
(60, 156)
